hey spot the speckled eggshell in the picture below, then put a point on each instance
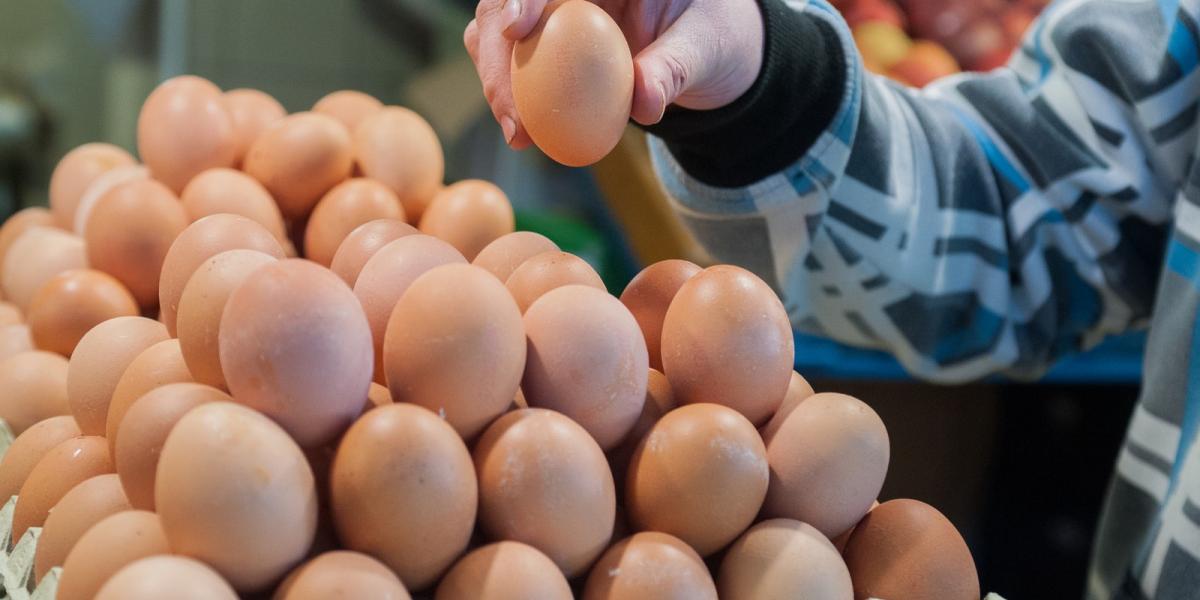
(648, 296)
(349, 107)
(80, 508)
(469, 215)
(798, 391)
(455, 344)
(907, 549)
(572, 81)
(202, 240)
(341, 574)
(252, 112)
(387, 275)
(105, 548)
(299, 159)
(217, 191)
(202, 304)
(659, 401)
(398, 148)
(507, 252)
(34, 258)
(362, 243)
(33, 387)
(586, 359)
(408, 456)
(174, 577)
(76, 171)
(72, 303)
(63, 467)
(183, 129)
(349, 204)
(296, 346)
(504, 571)
(650, 565)
(828, 460)
(156, 366)
(783, 559)
(144, 430)
(98, 362)
(565, 507)
(547, 271)
(129, 232)
(29, 447)
(234, 491)
(700, 474)
(727, 340)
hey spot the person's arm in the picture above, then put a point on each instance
(989, 223)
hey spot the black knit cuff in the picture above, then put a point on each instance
(794, 99)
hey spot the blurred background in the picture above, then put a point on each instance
(1021, 468)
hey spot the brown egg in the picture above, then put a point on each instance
(782, 559)
(469, 215)
(651, 565)
(252, 112)
(907, 549)
(700, 474)
(34, 388)
(507, 252)
(76, 171)
(183, 129)
(29, 447)
(504, 571)
(299, 159)
(72, 303)
(14, 339)
(840, 541)
(231, 191)
(659, 401)
(20, 222)
(10, 314)
(60, 469)
(144, 430)
(156, 366)
(234, 491)
(158, 577)
(727, 340)
(398, 148)
(202, 304)
(798, 391)
(362, 243)
(547, 271)
(387, 275)
(351, 203)
(572, 80)
(455, 344)
(80, 508)
(129, 233)
(828, 460)
(34, 258)
(201, 241)
(587, 360)
(106, 548)
(349, 107)
(98, 362)
(408, 456)
(102, 185)
(377, 396)
(341, 574)
(295, 345)
(565, 507)
(649, 295)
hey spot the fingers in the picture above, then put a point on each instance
(663, 71)
(492, 53)
(520, 17)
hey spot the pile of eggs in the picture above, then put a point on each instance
(454, 410)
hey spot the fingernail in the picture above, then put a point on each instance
(512, 12)
(509, 127)
(662, 93)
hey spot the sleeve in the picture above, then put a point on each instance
(990, 223)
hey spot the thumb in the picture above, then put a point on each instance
(665, 70)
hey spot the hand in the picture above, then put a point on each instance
(699, 54)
